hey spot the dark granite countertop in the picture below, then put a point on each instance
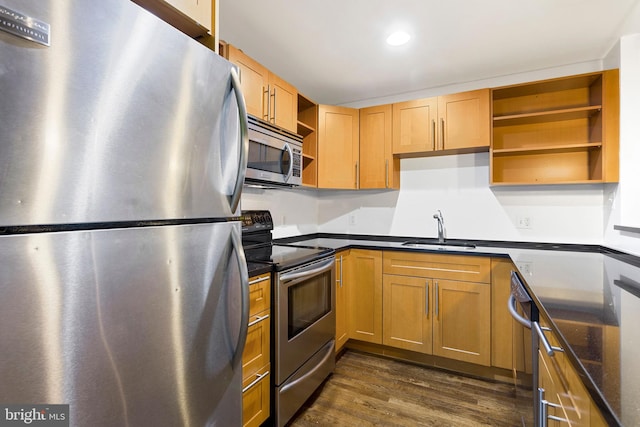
(591, 295)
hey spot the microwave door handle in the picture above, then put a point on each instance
(288, 175)
(234, 199)
(511, 304)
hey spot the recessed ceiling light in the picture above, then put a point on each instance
(398, 38)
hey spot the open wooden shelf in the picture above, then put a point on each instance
(547, 116)
(304, 129)
(307, 127)
(559, 131)
(549, 148)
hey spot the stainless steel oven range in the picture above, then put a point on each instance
(304, 318)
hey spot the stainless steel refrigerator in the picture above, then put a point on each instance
(123, 285)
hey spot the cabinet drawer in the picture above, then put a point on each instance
(256, 350)
(259, 294)
(255, 398)
(452, 267)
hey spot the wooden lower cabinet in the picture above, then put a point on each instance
(256, 365)
(564, 395)
(342, 302)
(407, 313)
(431, 305)
(462, 321)
(502, 324)
(364, 293)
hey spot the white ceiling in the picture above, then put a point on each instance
(334, 51)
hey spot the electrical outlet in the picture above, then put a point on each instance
(523, 222)
(352, 219)
(525, 268)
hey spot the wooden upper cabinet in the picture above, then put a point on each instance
(465, 120)
(378, 167)
(460, 122)
(254, 79)
(283, 104)
(414, 126)
(193, 17)
(338, 147)
(266, 95)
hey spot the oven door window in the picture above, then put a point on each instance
(308, 301)
(267, 158)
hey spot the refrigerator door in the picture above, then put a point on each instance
(121, 118)
(135, 327)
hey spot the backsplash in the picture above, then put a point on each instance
(457, 185)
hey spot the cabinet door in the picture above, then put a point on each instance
(342, 303)
(364, 288)
(378, 168)
(465, 120)
(462, 322)
(254, 79)
(198, 10)
(414, 126)
(338, 148)
(407, 313)
(502, 323)
(283, 104)
(255, 400)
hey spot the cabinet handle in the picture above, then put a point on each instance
(442, 133)
(437, 300)
(256, 381)
(339, 279)
(258, 320)
(544, 410)
(357, 177)
(386, 173)
(433, 134)
(259, 279)
(268, 102)
(426, 300)
(550, 349)
(273, 95)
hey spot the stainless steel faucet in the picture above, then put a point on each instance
(441, 230)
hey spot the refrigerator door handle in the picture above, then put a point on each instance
(234, 199)
(236, 362)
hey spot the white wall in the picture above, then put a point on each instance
(622, 203)
(294, 212)
(459, 187)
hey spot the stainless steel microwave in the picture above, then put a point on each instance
(275, 155)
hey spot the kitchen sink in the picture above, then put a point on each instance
(442, 246)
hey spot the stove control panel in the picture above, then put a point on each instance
(255, 221)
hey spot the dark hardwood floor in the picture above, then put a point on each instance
(368, 390)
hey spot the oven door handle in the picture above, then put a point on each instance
(330, 353)
(325, 266)
(511, 304)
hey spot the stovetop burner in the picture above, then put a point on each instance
(259, 248)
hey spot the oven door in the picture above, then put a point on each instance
(273, 158)
(305, 314)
